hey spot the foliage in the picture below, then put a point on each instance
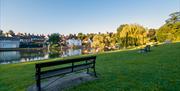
(132, 35)
(169, 32)
(1, 32)
(120, 28)
(98, 42)
(174, 17)
(110, 40)
(81, 36)
(152, 35)
(11, 32)
(104, 41)
(54, 38)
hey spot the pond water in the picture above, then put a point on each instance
(7, 57)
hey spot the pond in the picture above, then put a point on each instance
(8, 57)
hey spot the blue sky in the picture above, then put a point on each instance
(87, 16)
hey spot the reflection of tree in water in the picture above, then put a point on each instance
(53, 53)
(30, 54)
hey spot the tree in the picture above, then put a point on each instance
(152, 35)
(11, 32)
(132, 35)
(54, 38)
(120, 28)
(98, 42)
(81, 36)
(170, 30)
(174, 17)
(1, 32)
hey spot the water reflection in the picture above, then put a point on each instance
(7, 57)
(71, 52)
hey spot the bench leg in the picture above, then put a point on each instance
(95, 72)
(38, 85)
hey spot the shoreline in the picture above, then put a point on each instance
(19, 49)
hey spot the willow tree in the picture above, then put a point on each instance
(132, 35)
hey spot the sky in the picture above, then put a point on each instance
(86, 16)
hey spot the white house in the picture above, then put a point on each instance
(74, 42)
(9, 42)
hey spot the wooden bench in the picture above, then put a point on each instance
(147, 48)
(62, 67)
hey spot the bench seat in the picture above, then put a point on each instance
(56, 72)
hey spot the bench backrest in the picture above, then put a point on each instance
(147, 48)
(87, 61)
(66, 61)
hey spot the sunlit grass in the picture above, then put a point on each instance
(158, 70)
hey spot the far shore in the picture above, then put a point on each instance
(19, 49)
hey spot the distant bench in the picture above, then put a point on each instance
(69, 66)
(145, 49)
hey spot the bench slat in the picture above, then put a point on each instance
(47, 64)
(63, 68)
(65, 71)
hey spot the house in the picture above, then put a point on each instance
(32, 41)
(73, 42)
(38, 39)
(25, 39)
(9, 42)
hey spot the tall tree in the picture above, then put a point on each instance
(11, 32)
(132, 35)
(54, 38)
(81, 36)
(170, 30)
(174, 17)
(98, 41)
(1, 32)
(152, 35)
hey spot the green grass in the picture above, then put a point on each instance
(158, 70)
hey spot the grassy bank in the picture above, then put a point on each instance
(158, 70)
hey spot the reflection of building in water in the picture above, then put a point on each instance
(73, 42)
(71, 52)
(9, 42)
(21, 56)
(9, 56)
(32, 55)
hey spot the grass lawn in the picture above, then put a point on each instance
(158, 70)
